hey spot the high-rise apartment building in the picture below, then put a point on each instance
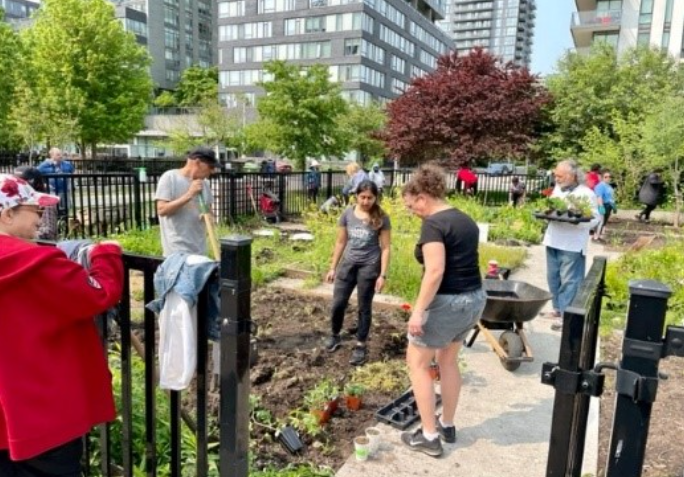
(177, 33)
(627, 23)
(17, 10)
(373, 47)
(503, 27)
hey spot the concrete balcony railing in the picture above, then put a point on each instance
(596, 19)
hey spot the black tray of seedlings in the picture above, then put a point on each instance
(557, 216)
(402, 412)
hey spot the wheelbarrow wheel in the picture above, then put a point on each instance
(513, 345)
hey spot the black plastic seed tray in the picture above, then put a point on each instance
(402, 412)
(554, 217)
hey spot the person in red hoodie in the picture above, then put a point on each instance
(54, 381)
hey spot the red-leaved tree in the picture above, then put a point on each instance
(471, 107)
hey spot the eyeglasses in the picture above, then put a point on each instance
(31, 208)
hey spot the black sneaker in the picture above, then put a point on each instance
(448, 434)
(332, 343)
(416, 441)
(358, 356)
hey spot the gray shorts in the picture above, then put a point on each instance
(449, 318)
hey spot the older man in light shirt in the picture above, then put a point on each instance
(566, 243)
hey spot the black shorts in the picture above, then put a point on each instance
(62, 461)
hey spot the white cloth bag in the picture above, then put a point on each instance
(177, 343)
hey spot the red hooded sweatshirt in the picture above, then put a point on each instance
(54, 381)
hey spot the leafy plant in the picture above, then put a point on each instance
(322, 393)
(662, 264)
(579, 205)
(389, 377)
(354, 389)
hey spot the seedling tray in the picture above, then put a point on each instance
(553, 217)
(402, 412)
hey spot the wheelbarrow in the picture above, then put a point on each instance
(510, 303)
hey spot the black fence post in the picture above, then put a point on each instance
(329, 185)
(282, 185)
(637, 377)
(233, 195)
(569, 376)
(236, 325)
(137, 204)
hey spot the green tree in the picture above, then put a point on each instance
(663, 143)
(8, 66)
(211, 124)
(620, 151)
(197, 86)
(363, 126)
(591, 91)
(91, 75)
(302, 108)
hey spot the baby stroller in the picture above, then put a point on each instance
(270, 207)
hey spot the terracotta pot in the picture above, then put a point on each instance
(434, 372)
(321, 416)
(353, 403)
(331, 406)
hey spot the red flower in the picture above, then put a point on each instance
(10, 188)
(406, 306)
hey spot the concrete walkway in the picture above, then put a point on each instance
(503, 419)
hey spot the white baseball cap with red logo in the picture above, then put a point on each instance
(15, 191)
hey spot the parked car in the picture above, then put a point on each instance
(283, 166)
(500, 168)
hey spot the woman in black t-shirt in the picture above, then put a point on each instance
(450, 302)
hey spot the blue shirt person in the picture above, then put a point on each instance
(605, 197)
(313, 181)
(57, 165)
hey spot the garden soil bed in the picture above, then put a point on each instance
(292, 361)
(665, 445)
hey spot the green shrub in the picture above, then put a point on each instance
(664, 265)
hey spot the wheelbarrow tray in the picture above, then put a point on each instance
(510, 301)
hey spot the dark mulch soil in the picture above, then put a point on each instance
(665, 445)
(621, 233)
(292, 361)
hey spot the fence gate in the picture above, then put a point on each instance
(576, 378)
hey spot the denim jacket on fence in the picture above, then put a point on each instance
(187, 274)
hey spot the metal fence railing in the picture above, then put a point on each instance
(102, 197)
(134, 442)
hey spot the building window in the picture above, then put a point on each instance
(134, 26)
(271, 6)
(352, 46)
(171, 16)
(646, 12)
(611, 38)
(398, 64)
(232, 9)
(171, 38)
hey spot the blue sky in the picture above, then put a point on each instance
(551, 34)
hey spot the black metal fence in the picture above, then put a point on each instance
(103, 197)
(576, 377)
(234, 385)
(577, 353)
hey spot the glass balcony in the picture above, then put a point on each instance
(597, 19)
